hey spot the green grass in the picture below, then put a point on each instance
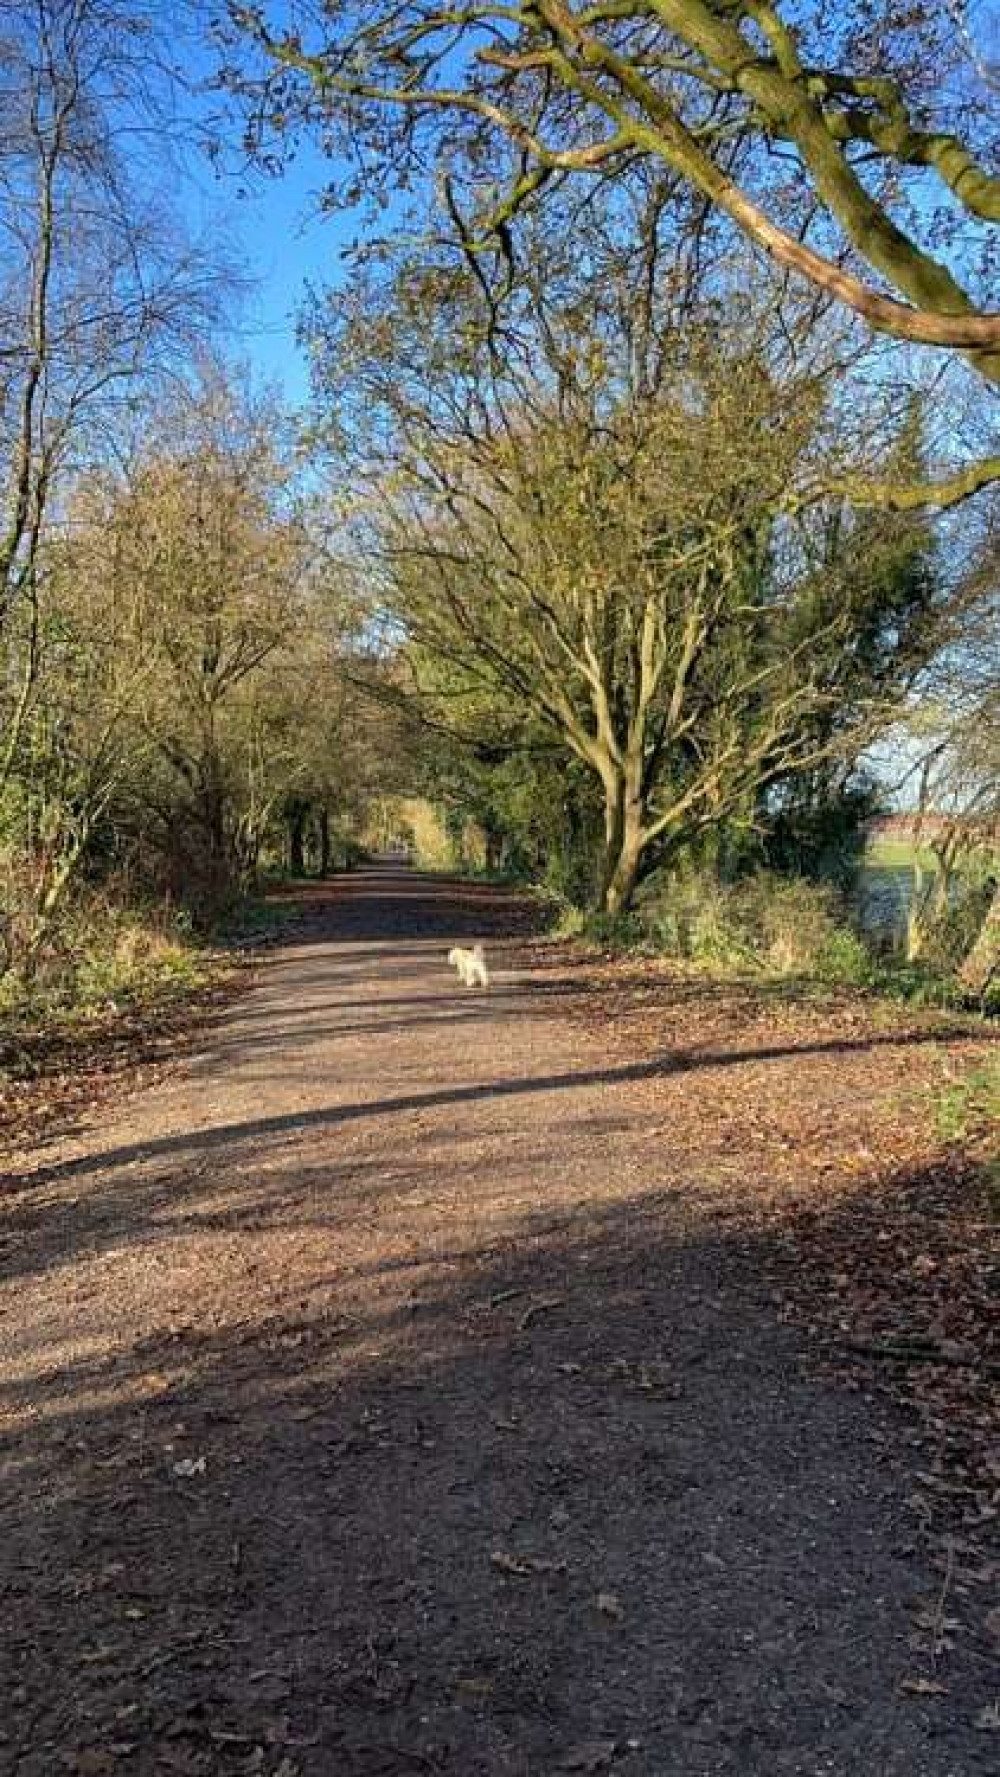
(971, 1106)
(124, 964)
(898, 854)
(968, 1110)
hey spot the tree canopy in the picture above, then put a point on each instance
(561, 543)
(810, 128)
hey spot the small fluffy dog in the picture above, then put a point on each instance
(471, 966)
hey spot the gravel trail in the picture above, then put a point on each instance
(387, 1391)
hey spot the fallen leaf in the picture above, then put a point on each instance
(923, 1687)
(475, 1687)
(610, 1605)
(182, 1761)
(524, 1565)
(188, 1467)
(988, 1719)
(590, 1755)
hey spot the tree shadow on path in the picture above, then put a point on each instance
(561, 1491)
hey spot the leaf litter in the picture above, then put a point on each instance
(815, 1159)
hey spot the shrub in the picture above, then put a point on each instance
(102, 953)
(765, 923)
(615, 931)
(689, 918)
(845, 959)
(952, 935)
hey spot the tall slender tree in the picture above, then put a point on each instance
(98, 284)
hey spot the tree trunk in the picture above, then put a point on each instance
(623, 848)
(217, 868)
(983, 960)
(296, 819)
(324, 842)
(929, 900)
(625, 837)
(623, 881)
(60, 881)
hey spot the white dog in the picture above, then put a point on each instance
(471, 966)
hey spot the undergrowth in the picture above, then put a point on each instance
(773, 927)
(972, 1104)
(968, 1110)
(106, 959)
(764, 925)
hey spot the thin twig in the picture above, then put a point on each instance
(920, 1354)
(543, 1306)
(939, 1613)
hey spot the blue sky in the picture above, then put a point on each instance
(285, 247)
(283, 244)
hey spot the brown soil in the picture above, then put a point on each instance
(407, 1385)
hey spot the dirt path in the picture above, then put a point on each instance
(385, 1393)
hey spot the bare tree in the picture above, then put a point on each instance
(98, 285)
